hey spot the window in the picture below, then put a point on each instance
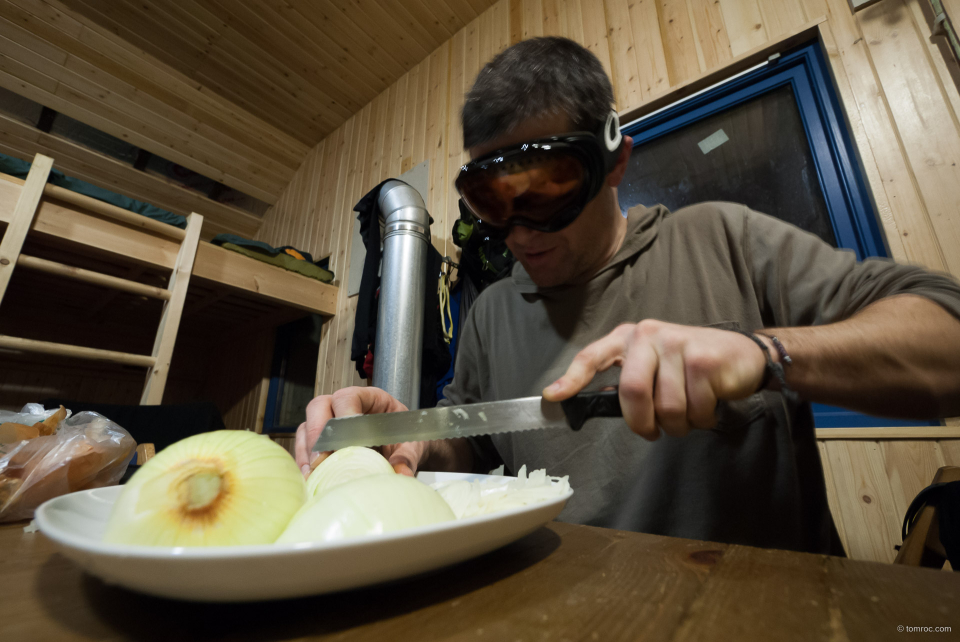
(775, 140)
(293, 374)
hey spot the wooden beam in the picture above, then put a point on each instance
(89, 276)
(905, 432)
(77, 352)
(22, 218)
(172, 309)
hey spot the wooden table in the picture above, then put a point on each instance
(563, 582)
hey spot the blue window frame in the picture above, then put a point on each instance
(849, 205)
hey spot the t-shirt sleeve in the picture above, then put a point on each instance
(466, 387)
(801, 280)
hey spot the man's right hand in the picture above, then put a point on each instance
(405, 458)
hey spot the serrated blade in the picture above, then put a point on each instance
(488, 418)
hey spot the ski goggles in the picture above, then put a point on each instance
(542, 184)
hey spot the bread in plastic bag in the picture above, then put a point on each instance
(86, 451)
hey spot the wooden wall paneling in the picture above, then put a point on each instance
(923, 118)
(398, 117)
(532, 18)
(410, 119)
(516, 21)
(623, 57)
(419, 131)
(387, 132)
(678, 42)
(572, 17)
(551, 17)
(254, 24)
(363, 182)
(471, 55)
(442, 13)
(648, 50)
(352, 186)
(418, 22)
(82, 105)
(457, 87)
(910, 467)
(781, 17)
(813, 9)
(74, 160)
(865, 499)
(501, 21)
(833, 498)
(595, 32)
(945, 63)
(855, 117)
(119, 59)
(346, 69)
(349, 37)
(905, 223)
(436, 150)
(486, 29)
(950, 451)
(119, 18)
(744, 24)
(710, 32)
(382, 27)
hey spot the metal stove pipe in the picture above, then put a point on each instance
(399, 348)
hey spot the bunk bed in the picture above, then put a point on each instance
(125, 273)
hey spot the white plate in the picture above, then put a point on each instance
(240, 573)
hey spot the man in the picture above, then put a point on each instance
(663, 306)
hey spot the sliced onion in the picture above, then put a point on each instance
(367, 506)
(468, 499)
(213, 489)
(344, 466)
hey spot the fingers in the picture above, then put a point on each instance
(596, 357)
(358, 400)
(343, 403)
(669, 395)
(637, 389)
(406, 458)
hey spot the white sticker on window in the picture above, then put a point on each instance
(713, 141)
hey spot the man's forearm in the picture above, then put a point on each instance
(899, 357)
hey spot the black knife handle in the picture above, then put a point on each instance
(586, 405)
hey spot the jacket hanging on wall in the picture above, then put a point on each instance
(436, 357)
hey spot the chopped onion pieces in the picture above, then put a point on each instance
(471, 498)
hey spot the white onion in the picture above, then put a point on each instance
(367, 506)
(468, 499)
(344, 466)
(212, 489)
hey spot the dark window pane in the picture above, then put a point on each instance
(765, 163)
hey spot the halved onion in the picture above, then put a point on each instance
(344, 466)
(366, 506)
(218, 488)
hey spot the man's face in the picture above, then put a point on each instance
(577, 252)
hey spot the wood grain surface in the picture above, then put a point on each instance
(563, 582)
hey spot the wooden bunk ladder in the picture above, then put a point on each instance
(158, 363)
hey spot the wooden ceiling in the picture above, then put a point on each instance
(302, 66)
(236, 90)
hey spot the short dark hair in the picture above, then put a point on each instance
(533, 78)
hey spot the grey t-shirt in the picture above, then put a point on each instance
(756, 479)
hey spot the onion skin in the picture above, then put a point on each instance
(344, 466)
(229, 487)
(367, 506)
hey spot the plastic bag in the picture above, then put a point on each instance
(86, 451)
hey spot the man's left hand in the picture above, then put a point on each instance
(671, 375)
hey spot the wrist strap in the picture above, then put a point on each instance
(772, 369)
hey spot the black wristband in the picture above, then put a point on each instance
(771, 369)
